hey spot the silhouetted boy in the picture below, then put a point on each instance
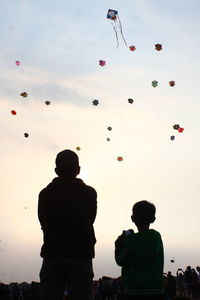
(67, 211)
(141, 256)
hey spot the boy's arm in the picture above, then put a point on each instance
(120, 249)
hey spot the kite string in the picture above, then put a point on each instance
(116, 34)
(120, 28)
(122, 148)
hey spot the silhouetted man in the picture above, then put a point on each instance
(66, 211)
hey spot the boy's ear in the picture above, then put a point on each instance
(132, 218)
(153, 219)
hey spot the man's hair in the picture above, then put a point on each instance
(67, 163)
(144, 212)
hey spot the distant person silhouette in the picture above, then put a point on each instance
(171, 286)
(66, 211)
(141, 256)
(188, 280)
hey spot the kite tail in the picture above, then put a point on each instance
(116, 34)
(120, 28)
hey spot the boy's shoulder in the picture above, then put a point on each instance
(146, 243)
(149, 232)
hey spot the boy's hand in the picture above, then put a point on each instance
(127, 232)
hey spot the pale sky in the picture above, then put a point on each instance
(59, 44)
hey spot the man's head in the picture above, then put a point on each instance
(143, 213)
(67, 164)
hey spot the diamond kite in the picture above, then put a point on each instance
(109, 128)
(132, 48)
(112, 14)
(47, 102)
(154, 83)
(13, 112)
(172, 83)
(180, 129)
(108, 139)
(102, 63)
(24, 94)
(130, 100)
(120, 158)
(78, 148)
(117, 25)
(95, 102)
(17, 63)
(158, 47)
(172, 137)
(26, 134)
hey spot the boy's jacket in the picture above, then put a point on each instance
(141, 257)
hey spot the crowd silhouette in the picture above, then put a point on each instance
(183, 285)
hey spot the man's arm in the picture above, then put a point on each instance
(93, 206)
(40, 208)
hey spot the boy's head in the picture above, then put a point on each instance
(67, 164)
(143, 213)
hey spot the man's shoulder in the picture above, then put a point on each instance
(90, 189)
(79, 183)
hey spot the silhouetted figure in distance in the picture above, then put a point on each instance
(66, 211)
(171, 286)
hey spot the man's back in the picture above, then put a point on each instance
(67, 210)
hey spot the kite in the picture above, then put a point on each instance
(13, 112)
(17, 63)
(108, 139)
(154, 83)
(132, 48)
(26, 134)
(172, 137)
(102, 63)
(172, 260)
(158, 47)
(47, 102)
(119, 158)
(180, 129)
(114, 16)
(172, 83)
(95, 102)
(176, 126)
(130, 100)
(24, 94)
(109, 128)
(78, 148)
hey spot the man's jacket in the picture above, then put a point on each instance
(67, 211)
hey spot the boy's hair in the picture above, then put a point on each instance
(143, 212)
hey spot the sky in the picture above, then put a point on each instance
(59, 45)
